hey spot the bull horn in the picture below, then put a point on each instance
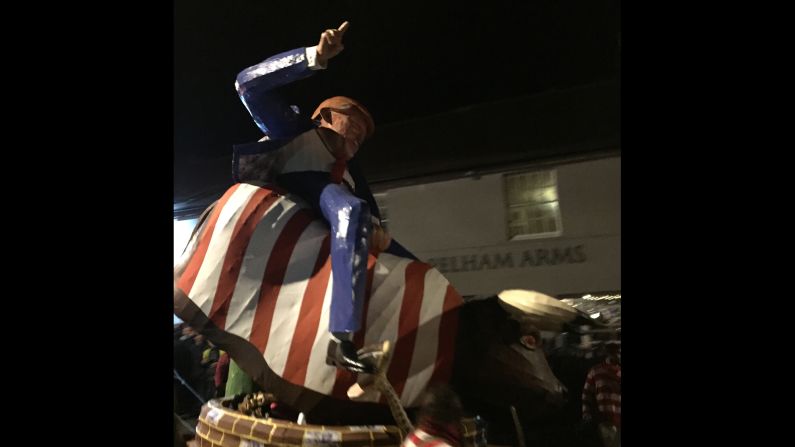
(544, 311)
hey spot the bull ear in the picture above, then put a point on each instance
(529, 341)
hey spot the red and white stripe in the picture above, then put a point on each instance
(602, 393)
(419, 438)
(261, 270)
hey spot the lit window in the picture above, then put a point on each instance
(533, 210)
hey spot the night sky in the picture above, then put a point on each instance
(402, 59)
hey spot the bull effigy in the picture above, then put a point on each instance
(290, 273)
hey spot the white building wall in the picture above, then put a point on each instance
(459, 225)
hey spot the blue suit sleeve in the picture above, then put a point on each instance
(258, 88)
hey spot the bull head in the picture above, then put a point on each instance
(499, 358)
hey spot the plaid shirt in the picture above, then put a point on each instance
(601, 396)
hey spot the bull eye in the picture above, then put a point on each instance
(528, 341)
